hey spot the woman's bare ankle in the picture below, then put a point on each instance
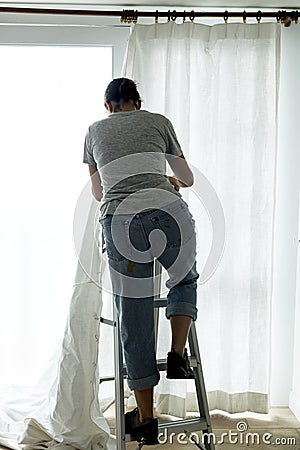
(144, 416)
(179, 350)
(144, 401)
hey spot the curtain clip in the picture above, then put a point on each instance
(156, 16)
(169, 15)
(174, 15)
(226, 15)
(244, 16)
(192, 16)
(183, 16)
(258, 16)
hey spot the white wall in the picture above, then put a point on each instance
(285, 332)
(295, 394)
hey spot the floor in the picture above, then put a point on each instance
(279, 429)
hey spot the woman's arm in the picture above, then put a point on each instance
(96, 182)
(183, 175)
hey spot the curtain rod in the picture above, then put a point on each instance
(132, 16)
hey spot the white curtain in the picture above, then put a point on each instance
(218, 84)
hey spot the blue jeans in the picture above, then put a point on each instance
(132, 244)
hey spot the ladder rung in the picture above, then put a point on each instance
(111, 377)
(112, 323)
(160, 302)
(107, 378)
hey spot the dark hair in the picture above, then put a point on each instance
(122, 89)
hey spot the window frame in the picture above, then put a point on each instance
(81, 34)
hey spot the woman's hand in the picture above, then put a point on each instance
(176, 183)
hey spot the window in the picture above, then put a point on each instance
(50, 94)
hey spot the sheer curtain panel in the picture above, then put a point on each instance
(219, 85)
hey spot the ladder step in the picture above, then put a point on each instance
(161, 365)
(178, 426)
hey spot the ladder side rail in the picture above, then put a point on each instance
(200, 386)
(119, 385)
(157, 288)
(200, 389)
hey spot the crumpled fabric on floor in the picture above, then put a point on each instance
(62, 411)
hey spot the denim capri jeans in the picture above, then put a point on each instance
(133, 242)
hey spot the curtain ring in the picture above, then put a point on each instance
(226, 15)
(244, 17)
(135, 16)
(192, 16)
(156, 16)
(169, 14)
(278, 17)
(296, 17)
(287, 21)
(123, 16)
(183, 16)
(258, 16)
(174, 15)
(283, 16)
(130, 16)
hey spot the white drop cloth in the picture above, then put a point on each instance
(62, 411)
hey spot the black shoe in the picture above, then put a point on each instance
(145, 432)
(178, 367)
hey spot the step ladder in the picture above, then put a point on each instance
(186, 426)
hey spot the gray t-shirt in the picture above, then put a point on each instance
(130, 150)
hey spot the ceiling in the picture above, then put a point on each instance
(200, 5)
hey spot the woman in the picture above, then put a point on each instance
(144, 217)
